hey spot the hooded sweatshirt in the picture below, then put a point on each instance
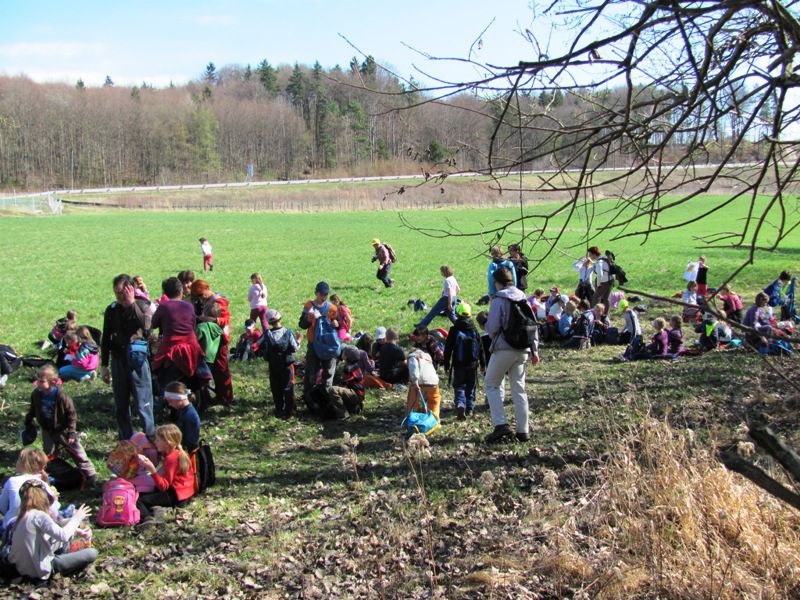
(498, 319)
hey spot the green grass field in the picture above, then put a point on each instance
(287, 518)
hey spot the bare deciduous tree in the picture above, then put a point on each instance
(687, 97)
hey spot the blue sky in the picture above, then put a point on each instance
(165, 41)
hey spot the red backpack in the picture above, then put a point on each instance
(119, 504)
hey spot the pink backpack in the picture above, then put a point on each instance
(119, 504)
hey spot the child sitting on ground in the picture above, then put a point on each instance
(31, 464)
(85, 360)
(279, 345)
(247, 346)
(565, 322)
(537, 304)
(675, 336)
(422, 380)
(582, 327)
(343, 317)
(55, 414)
(422, 338)
(659, 343)
(61, 327)
(691, 314)
(709, 333)
(731, 303)
(632, 330)
(39, 546)
(348, 398)
(184, 414)
(174, 480)
(123, 461)
(365, 363)
(391, 361)
(380, 340)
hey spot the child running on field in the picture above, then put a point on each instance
(208, 257)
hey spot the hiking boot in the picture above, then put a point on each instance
(522, 436)
(461, 413)
(470, 412)
(501, 433)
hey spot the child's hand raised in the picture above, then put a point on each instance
(145, 462)
(84, 512)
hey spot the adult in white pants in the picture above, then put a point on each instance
(506, 360)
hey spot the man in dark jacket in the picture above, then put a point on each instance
(520, 262)
(126, 328)
(464, 352)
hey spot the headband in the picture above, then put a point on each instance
(175, 396)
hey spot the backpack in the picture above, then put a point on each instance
(614, 269)
(276, 350)
(467, 347)
(390, 251)
(205, 472)
(522, 330)
(326, 339)
(62, 474)
(119, 504)
(9, 360)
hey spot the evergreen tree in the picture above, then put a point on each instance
(79, 84)
(210, 76)
(369, 68)
(108, 82)
(268, 77)
(248, 73)
(297, 90)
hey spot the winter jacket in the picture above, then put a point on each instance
(498, 319)
(65, 419)
(466, 326)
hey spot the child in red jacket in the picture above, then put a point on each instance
(174, 480)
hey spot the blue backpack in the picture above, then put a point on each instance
(466, 347)
(326, 342)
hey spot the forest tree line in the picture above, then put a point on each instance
(287, 122)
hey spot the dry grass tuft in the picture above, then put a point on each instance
(687, 526)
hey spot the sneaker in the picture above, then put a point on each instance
(500, 433)
(45, 345)
(461, 413)
(400, 387)
(522, 436)
(3, 381)
(470, 412)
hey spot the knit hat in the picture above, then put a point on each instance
(376, 242)
(380, 333)
(463, 309)
(322, 288)
(273, 316)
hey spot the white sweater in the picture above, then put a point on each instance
(421, 370)
(37, 537)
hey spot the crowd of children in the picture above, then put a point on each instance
(158, 467)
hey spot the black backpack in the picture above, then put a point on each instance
(614, 269)
(467, 347)
(205, 473)
(63, 475)
(522, 330)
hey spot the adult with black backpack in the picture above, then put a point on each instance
(319, 318)
(385, 256)
(515, 337)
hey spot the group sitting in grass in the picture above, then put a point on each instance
(187, 334)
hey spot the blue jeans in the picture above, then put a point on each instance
(135, 382)
(442, 306)
(465, 379)
(72, 373)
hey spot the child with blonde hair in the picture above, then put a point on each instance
(39, 546)
(55, 413)
(174, 480)
(31, 464)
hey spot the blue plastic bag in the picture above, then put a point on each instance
(420, 422)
